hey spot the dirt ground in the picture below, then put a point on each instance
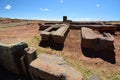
(19, 33)
(71, 48)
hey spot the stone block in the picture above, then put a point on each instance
(52, 67)
(10, 56)
(95, 41)
(64, 18)
(30, 54)
(59, 35)
(45, 34)
(56, 32)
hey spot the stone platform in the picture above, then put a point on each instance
(52, 67)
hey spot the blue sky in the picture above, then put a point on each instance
(55, 9)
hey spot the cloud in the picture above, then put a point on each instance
(97, 5)
(61, 1)
(44, 9)
(8, 7)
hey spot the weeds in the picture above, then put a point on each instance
(37, 38)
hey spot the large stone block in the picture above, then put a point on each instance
(96, 41)
(45, 34)
(59, 35)
(10, 56)
(30, 54)
(52, 67)
(56, 32)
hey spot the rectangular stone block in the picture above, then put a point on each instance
(95, 41)
(46, 34)
(59, 35)
(31, 54)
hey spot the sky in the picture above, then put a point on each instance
(78, 10)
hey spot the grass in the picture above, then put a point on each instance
(116, 77)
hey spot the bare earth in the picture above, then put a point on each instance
(71, 50)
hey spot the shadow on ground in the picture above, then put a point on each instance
(52, 45)
(106, 55)
(7, 75)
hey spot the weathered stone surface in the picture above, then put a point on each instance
(52, 67)
(46, 25)
(118, 26)
(56, 32)
(30, 54)
(59, 35)
(45, 34)
(96, 41)
(10, 55)
(100, 26)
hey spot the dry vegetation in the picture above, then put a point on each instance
(71, 51)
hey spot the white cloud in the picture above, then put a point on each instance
(8, 7)
(61, 1)
(97, 5)
(44, 9)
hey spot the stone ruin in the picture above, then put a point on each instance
(101, 26)
(52, 67)
(10, 56)
(95, 41)
(47, 24)
(23, 60)
(16, 58)
(56, 32)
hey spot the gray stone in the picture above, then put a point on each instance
(10, 56)
(52, 67)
